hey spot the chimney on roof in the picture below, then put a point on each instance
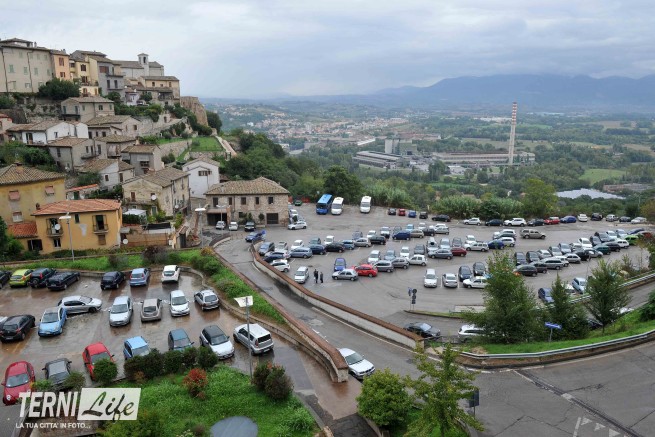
(19, 167)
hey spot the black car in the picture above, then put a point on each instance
(249, 226)
(423, 215)
(4, 277)
(428, 232)
(494, 222)
(532, 256)
(624, 219)
(526, 270)
(479, 269)
(62, 280)
(520, 258)
(464, 273)
(40, 277)
(423, 329)
(318, 249)
(273, 256)
(596, 217)
(112, 280)
(377, 239)
(391, 211)
(441, 218)
(536, 222)
(613, 245)
(16, 327)
(335, 246)
(57, 371)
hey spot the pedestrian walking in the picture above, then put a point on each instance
(321, 276)
(315, 276)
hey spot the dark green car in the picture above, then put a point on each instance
(297, 202)
(605, 250)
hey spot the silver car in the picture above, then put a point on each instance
(120, 312)
(80, 304)
(179, 303)
(207, 299)
(449, 280)
(151, 310)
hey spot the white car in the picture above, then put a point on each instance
(573, 258)
(583, 218)
(470, 239)
(329, 239)
(516, 221)
(422, 226)
(371, 233)
(638, 220)
(234, 226)
(441, 229)
(281, 265)
(475, 282)
(170, 274)
(417, 260)
(357, 365)
(480, 246)
(473, 221)
(179, 303)
(404, 252)
(296, 244)
(302, 275)
(373, 257)
(281, 246)
(622, 243)
(585, 243)
(300, 224)
(220, 224)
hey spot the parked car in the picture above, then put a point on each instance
(546, 295)
(259, 341)
(345, 274)
(56, 371)
(265, 247)
(390, 254)
(517, 221)
(61, 280)
(480, 246)
(178, 340)
(526, 270)
(401, 211)
(234, 226)
(39, 277)
(170, 273)
(112, 280)
(19, 377)
(401, 235)
(464, 272)
(638, 220)
(249, 226)
(52, 322)
(494, 222)
(140, 276)
(473, 221)
(579, 285)
(385, 231)
(357, 365)
(317, 249)
(366, 270)
(613, 245)
(217, 341)
(417, 260)
(540, 266)
(495, 244)
(416, 233)
(430, 280)
(20, 278)
(449, 280)
(300, 224)
(551, 221)
(475, 282)
(595, 217)
(441, 218)
(573, 258)
(441, 229)
(611, 218)
(423, 215)
(373, 257)
(135, 347)
(536, 222)
(120, 312)
(533, 255)
(554, 263)
(568, 219)
(151, 310)
(377, 239)
(220, 225)
(469, 332)
(391, 211)
(555, 251)
(602, 248)
(207, 299)
(4, 277)
(179, 304)
(479, 269)
(301, 252)
(423, 329)
(625, 219)
(532, 233)
(582, 218)
(384, 266)
(335, 246)
(339, 264)
(440, 253)
(16, 327)
(94, 353)
(80, 304)
(281, 265)
(362, 242)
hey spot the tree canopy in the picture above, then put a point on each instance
(57, 89)
(607, 295)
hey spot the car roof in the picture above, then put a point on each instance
(51, 310)
(14, 319)
(206, 292)
(170, 267)
(135, 342)
(96, 348)
(345, 351)
(150, 301)
(17, 368)
(178, 334)
(139, 270)
(121, 299)
(255, 329)
(177, 293)
(20, 271)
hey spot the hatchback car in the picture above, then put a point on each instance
(272, 256)
(357, 365)
(494, 222)
(384, 266)
(265, 247)
(301, 252)
(234, 226)
(458, 251)
(120, 313)
(151, 310)
(80, 304)
(220, 225)
(469, 332)
(423, 329)
(135, 347)
(473, 221)
(300, 224)
(170, 273)
(390, 254)
(207, 299)
(366, 270)
(16, 327)
(391, 211)
(139, 276)
(281, 265)
(52, 322)
(56, 371)
(540, 266)
(335, 246)
(249, 226)
(179, 304)
(178, 340)
(464, 273)
(345, 274)
(19, 378)
(579, 285)
(61, 280)
(545, 294)
(400, 263)
(479, 246)
(495, 244)
(94, 353)
(479, 269)
(417, 260)
(568, 219)
(554, 263)
(112, 280)
(20, 278)
(526, 270)
(259, 341)
(440, 253)
(475, 282)
(40, 277)
(217, 341)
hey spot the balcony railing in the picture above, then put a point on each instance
(100, 229)
(54, 233)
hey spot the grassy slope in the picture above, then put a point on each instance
(594, 175)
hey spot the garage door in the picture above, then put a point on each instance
(272, 218)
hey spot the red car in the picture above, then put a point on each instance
(366, 270)
(458, 251)
(94, 353)
(19, 378)
(401, 211)
(551, 221)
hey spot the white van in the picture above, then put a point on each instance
(430, 280)
(365, 205)
(301, 275)
(337, 206)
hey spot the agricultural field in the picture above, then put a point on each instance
(594, 175)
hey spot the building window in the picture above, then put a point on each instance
(100, 107)
(63, 76)
(61, 61)
(82, 67)
(100, 223)
(204, 172)
(77, 218)
(106, 178)
(50, 190)
(270, 200)
(90, 135)
(153, 84)
(36, 71)
(115, 83)
(133, 196)
(104, 134)
(215, 201)
(11, 68)
(257, 200)
(58, 152)
(56, 242)
(102, 240)
(229, 201)
(104, 69)
(34, 245)
(28, 85)
(243, 201)
(25, 71)
(134, 128)
(120, 177)
(144, 164)
(17, 216)
(14, 195)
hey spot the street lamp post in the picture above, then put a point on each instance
(246, 302)
(67, 217)
(200, 211)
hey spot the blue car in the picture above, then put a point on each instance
(318, 249)
(496, 244)
(411, 213)
(401, 235)
(52, 322)
(256, 236)
(139, 276)
(348, 244)
(339, 264)
(135, 346)
(568, 219)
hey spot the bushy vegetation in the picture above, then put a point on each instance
(384, 399)
(57, 89)
(105, 371)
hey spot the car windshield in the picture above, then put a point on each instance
(12, 327)
(582, 282)
(117, 309)
(108, 277)
(57, 368)
(181, 343)
(101, 356)
(354, 358)
(16, 380)
(143, 350)
(218, 339)
(169, 272)
(211, 298)
(150, 309)
(137, 275)
(50, 317)
(430, 276)
(178, 300)
(424, 327)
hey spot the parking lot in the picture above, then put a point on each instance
(386, 297)
(84, 329)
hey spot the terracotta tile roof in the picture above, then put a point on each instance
(46, 124)
(114, 138)
(141, 148)
(260, 185)
(122, 166)
(159, 78)
(68, 142)
(83, 187)
(92, 99)
(130, 64)
(77, 206)
(13, 174)
(20, 127)
(99, 164)
(163, 178)
(108, 119)
(23, 230)
(202, 159)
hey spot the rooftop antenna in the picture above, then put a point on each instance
(512, 134)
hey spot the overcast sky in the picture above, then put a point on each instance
(248, 48)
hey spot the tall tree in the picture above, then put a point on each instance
(214, 121)
(607, 295)
(339, 182)
(440, 387)
(384, 399)
(565, 313)
(539, 198)
(10, 248)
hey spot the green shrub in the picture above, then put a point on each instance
(260, 374)
(278, 384)
(298, 419)
(118, 261)
(132, 366)
(647, 312)
(75, 381)
(149, 424)
(105, 371)
(43, 385)
(153, 364)
(195, 381)
(384, 399)
(206, 358)
(189, 357)
(172, 362)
